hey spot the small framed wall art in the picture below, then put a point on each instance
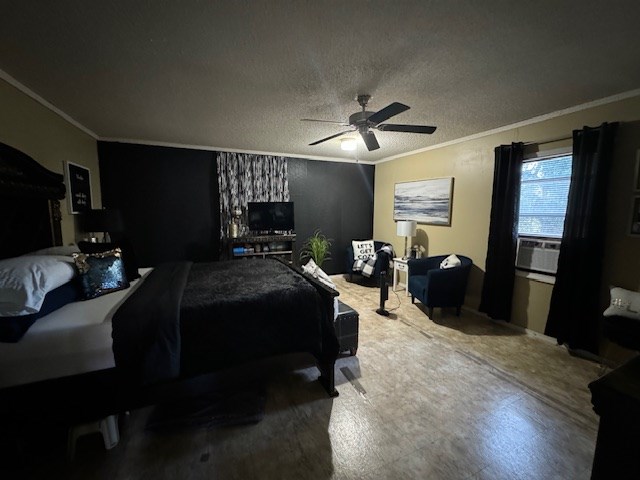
(425, 201)
(78, 180)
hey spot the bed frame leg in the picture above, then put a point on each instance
(328, 380)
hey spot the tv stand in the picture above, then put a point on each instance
(262, 246)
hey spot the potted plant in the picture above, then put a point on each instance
(316, 247)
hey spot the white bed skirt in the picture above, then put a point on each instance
(72, 340)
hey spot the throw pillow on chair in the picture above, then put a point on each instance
(358, 253)
(363, 249)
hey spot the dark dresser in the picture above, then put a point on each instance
(616, 398)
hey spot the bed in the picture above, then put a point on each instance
(69, 357)
(189, 319)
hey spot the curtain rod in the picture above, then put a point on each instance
(551, 140)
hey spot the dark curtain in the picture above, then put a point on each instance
(497, 289)
(575, 310)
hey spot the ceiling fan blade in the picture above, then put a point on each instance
(394, 127)
(387, 112)
(329, 138)
(370, 140)
(324, 121)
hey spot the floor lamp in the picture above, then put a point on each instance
(406, 228)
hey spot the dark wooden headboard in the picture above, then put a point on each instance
(30, 197)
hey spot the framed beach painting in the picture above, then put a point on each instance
(425, 201)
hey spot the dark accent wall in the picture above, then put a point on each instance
(336, 198)
(170, 203)
(168, 198)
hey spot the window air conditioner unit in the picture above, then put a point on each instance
(538, 255)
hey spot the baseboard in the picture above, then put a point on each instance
(510, 325)
(578, 353)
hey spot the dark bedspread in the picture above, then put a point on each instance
(146, 327)
(225, 313)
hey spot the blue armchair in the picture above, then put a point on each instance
(349, 261)
(436, 287)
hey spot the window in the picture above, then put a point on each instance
(544, 190)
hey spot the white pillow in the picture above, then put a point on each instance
(311, 268)
(450, 262)
(66, 250)
(624, 303)
(363, 249)
(24, 281)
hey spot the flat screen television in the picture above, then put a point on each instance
(270, 216)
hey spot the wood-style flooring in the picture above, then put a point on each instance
(443, 398)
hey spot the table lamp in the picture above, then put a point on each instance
(406, 228)
(105, 220)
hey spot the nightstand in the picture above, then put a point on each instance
(400, 265)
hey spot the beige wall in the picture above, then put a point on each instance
(50, 140)
(471, 165)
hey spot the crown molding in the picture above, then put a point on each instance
(540, 118)
(524, 123)
(232, 150)
(30, 93)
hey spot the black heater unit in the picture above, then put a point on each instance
(384, 285)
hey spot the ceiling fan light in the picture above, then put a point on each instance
(348, 144)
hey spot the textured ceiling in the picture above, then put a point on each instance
(240, 75)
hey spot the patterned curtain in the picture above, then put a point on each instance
(249, 178)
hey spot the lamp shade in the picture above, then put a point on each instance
(406, 228)
(106, 220)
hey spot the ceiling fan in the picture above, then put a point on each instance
(364, 121)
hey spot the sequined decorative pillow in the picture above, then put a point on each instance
(101, 273)
(128, 254)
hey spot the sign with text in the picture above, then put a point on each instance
(363, 249)
(78, 187)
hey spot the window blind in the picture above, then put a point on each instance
(544, 190)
